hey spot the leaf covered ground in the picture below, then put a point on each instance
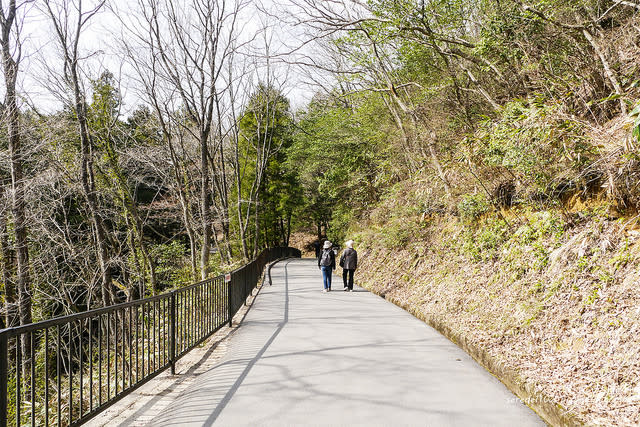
(554, 297)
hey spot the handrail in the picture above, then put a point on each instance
(64, 371)
(271, 264)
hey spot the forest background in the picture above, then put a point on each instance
(499, 135)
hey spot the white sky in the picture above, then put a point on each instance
(100, 44)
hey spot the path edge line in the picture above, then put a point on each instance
(550, 411)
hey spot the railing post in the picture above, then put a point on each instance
(230, 303)
(4, 368)
(269, 271)
(172, 332)
(247, 271)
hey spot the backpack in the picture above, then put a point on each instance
(325, 258)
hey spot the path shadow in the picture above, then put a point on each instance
(189, 374)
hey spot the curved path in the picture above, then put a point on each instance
(304, 357)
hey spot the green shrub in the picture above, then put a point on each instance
(396, 234)
(472, 207)
(171, 260)
(481, 243)
(535, 141)
(541, 225)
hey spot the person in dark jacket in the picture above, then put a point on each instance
(327, 263)
(349, 263)
(317, 247)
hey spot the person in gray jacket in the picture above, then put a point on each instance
(349, 263)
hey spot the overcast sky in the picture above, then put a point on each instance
(101, 46)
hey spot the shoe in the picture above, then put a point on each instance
(324, 290)
(350, 290)
(329, 290)
(345, 289)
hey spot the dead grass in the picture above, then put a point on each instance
(303, 240)
(572, 326)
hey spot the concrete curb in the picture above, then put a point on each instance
(550, 411)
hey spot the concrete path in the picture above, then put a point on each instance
(304, 357)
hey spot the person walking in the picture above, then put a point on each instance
(349, 263)
(317, 247)
(327, 263)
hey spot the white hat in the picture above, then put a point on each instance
(349, 243)
(327, 244)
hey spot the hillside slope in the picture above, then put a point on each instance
(553, 295)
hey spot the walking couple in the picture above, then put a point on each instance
(348, 262)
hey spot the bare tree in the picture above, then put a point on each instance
(68, 20)
(369, 67)
(10, 43)
(7, 261)
(107, 131)
(174, 137)
(66, 267)
(588, 28)
(188, 48)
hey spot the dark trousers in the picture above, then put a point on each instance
(347, 273)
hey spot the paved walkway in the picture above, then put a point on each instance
(303, 357)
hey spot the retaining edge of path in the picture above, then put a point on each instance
(550, 411)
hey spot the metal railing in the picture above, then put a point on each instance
(63, 371)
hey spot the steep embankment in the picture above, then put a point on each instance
(550, 295)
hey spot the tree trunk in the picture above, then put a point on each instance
(132, 217)
(181, 189)
(257, 226)
(242, 223)
(190, 232)
(436, 163)
(68, 35)
(205, 208)
(136, 228)
(16, 155)
(243, 231)
(88, 186)
(10, 319)
(406, 144)
(282, 231)
(222, 185)
(136, 290)
(286, 243)
(139, 231)
(483, 92)
(607, 69)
